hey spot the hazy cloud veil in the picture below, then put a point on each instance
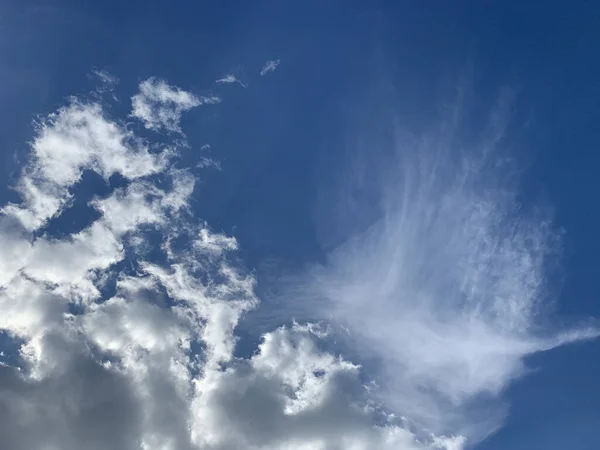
(125, 329)
(447, 289)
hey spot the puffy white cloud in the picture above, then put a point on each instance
(160, 106)
(29, 308)
(75, 138)
(148, 362)
(143, 203)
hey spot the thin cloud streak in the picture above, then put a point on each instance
(231, 78)
(269, 66)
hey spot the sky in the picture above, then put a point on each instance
(299, 225)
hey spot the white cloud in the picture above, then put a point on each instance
(149, 363)
(160, 106)
(447, 288)
(269, 66)
(69, 264)
(15, 249)
(143, 203)
(231, 78)
(77, 137)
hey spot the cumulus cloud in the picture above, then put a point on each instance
(126, 330)
(269, 66)
(160, 106)
(75, 138)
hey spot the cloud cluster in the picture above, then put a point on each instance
(75, 138)
(126, 329)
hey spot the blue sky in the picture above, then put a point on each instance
(419, 180)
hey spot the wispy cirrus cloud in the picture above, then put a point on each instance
(269, 66)
(446, 290)
(231, 78)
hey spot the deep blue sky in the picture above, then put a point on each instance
(278, 139)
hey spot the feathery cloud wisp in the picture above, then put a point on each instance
(231, 78)
(447, 288)
(269, 66)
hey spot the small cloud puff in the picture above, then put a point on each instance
(269, 66)
(160, 106)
